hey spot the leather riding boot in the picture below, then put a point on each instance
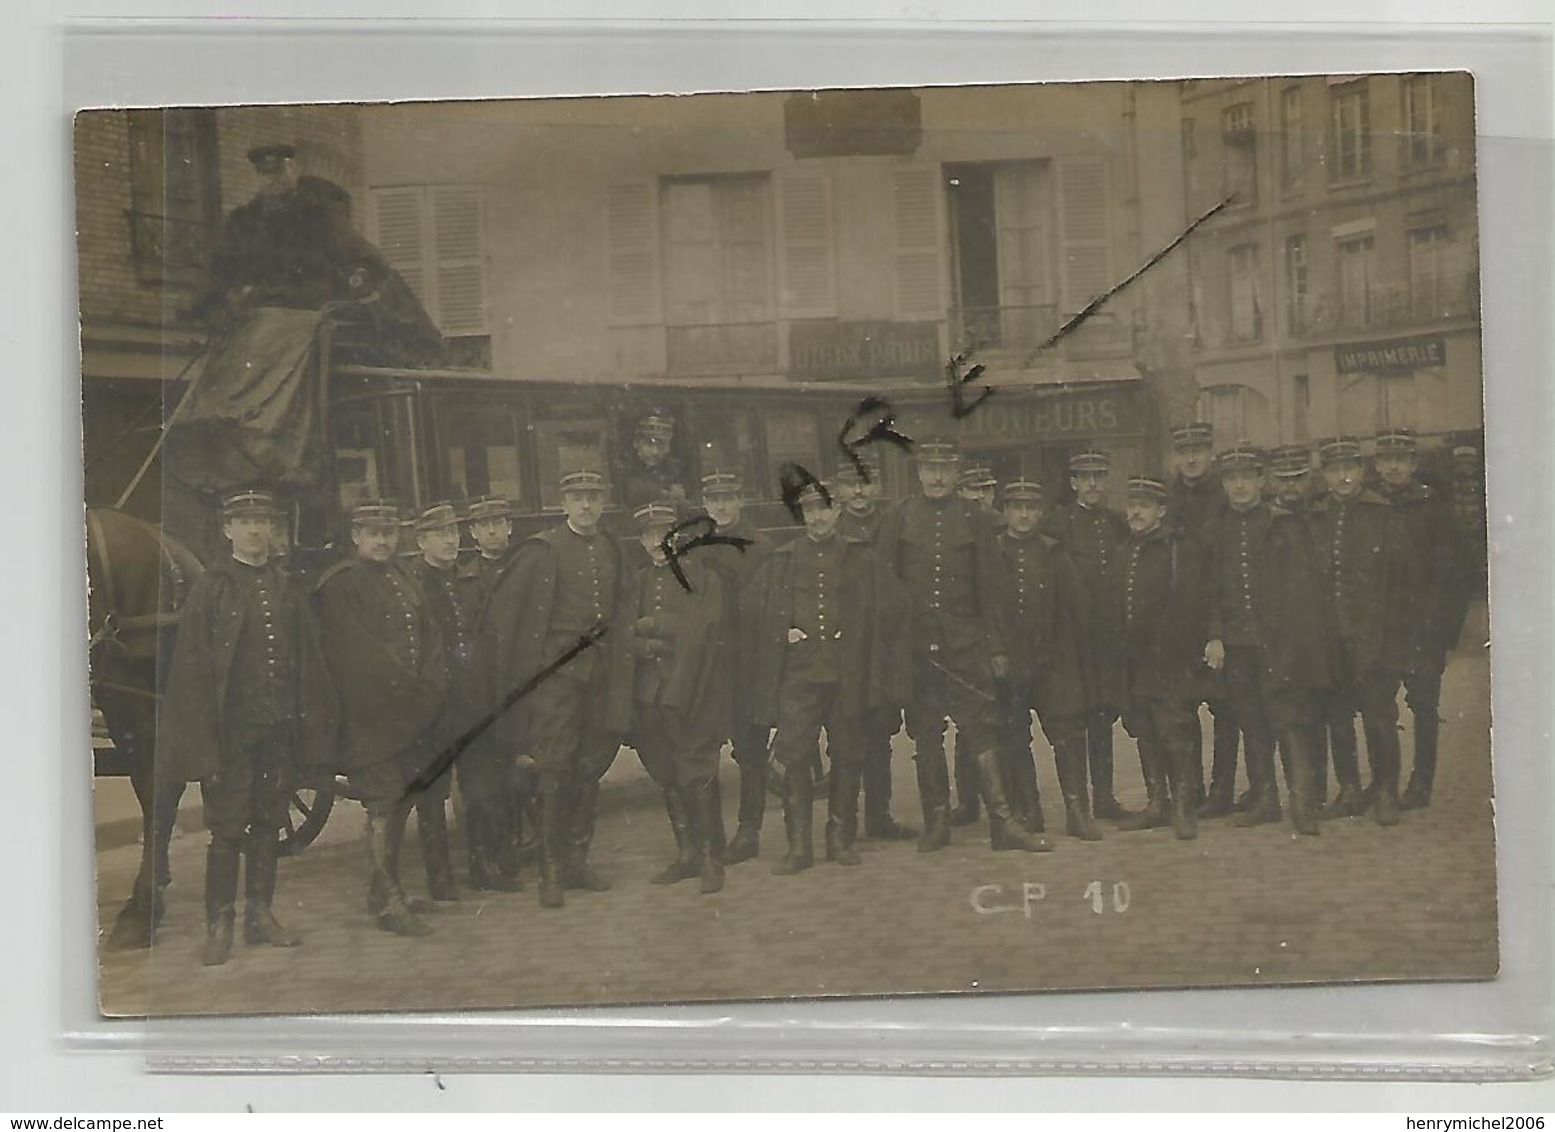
(1070, 757)
(1422, 776)
(934, 792)
(1098, 743)
(487, 844)
(708, 822)
(1182, 762)
(966, 810)
(1155, 812)
(876, 782)
(584, 811)
(221, 893)
(842, 814)
(393, 912)
(1020, 785)
(1347, 772)
(1383, 748)
(746, 842)
(687, 864)
(1220, 797)
(432, 828)
(550, 839)
(1263, 792)
(1296, 754)
(798, 818)
(259, 922)
(1004, 832)
(394, 839)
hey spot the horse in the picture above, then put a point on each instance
(138, 578)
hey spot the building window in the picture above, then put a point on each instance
(1238, 412)
(1240, 153)
(1356, 294)
(1296, 283)
(1246, 311)
(1428, 290)
(1291, 171)
(434, 236)
(175, 200)
(1424, 144)
(1301, 405)
(1351, 132)
(1002, 220)
(718, 273)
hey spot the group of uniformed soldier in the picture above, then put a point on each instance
(1286, 609)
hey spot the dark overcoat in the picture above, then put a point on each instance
(193, 732)
(1432, 597)
(385, 705)
(1370, 547)
(874, 622)
(1291, 613)
(515, 622)
(688, 633)
(1162, 645)
(1091, 536)
(1044, 629)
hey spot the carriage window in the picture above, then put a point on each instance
(482, 444)
(565, 446)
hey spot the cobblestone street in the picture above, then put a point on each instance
(1135, 910)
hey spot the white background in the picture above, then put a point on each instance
(41, 675)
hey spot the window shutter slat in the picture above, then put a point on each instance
(400, 235)
(632, 248)
(459, 251)
(916, 226)
(1084, 225)
(806, 272)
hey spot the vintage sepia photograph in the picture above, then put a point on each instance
(786, 544)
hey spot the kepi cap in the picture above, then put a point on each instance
(1397, 440)
(582, 479)
(435, 516)
(1146, 487)
(722, 482)
(1195, 432)
(1243, 454)
(1338, 449)
(936, 450)
(249, 501)
(1290, 461)
(376, 513)
(657, 424)
(654, 514)
(1023, 489)
(1090, 460)
(264, 157)
(489, 507)
(978, 475)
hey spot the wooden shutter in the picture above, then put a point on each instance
(916, 224)
(401, 235)
(632, 247)
(806, 274)
(459, 255)
(1083, 227)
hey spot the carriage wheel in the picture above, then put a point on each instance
(306, 812)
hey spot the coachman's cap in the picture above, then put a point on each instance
(435, 516)
(1090, 461)
(655, 514)
(810, 491)
(1338, 449)
(1196, 432)
(657, 424)
(1402, 440)
(249, 501)
(1146, 487)
(722, 483)
(1244, 454)
(936, 450)
(489, 507)
(376, 513)
(264, 157)
(583, 479)
(1023, 489)
(1290, 461)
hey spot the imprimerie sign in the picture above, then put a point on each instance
(1396, 355)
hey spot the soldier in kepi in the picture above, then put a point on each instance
(944, 551)
(1159, 590)
(1268, 637)
(564, 584)
(385, 651)
(248, 707)
(1356, 548)
(1092, 533)
(653, 473)
(723, 498)
(1431, 597)
(827, 647)
(1045, 677)
(500, 793)
(859, 521)
(1193, 498)
(675, 707)
(453, 604)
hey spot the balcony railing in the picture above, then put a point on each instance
(725, 348)
(1387, 306)
(1026, 328)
